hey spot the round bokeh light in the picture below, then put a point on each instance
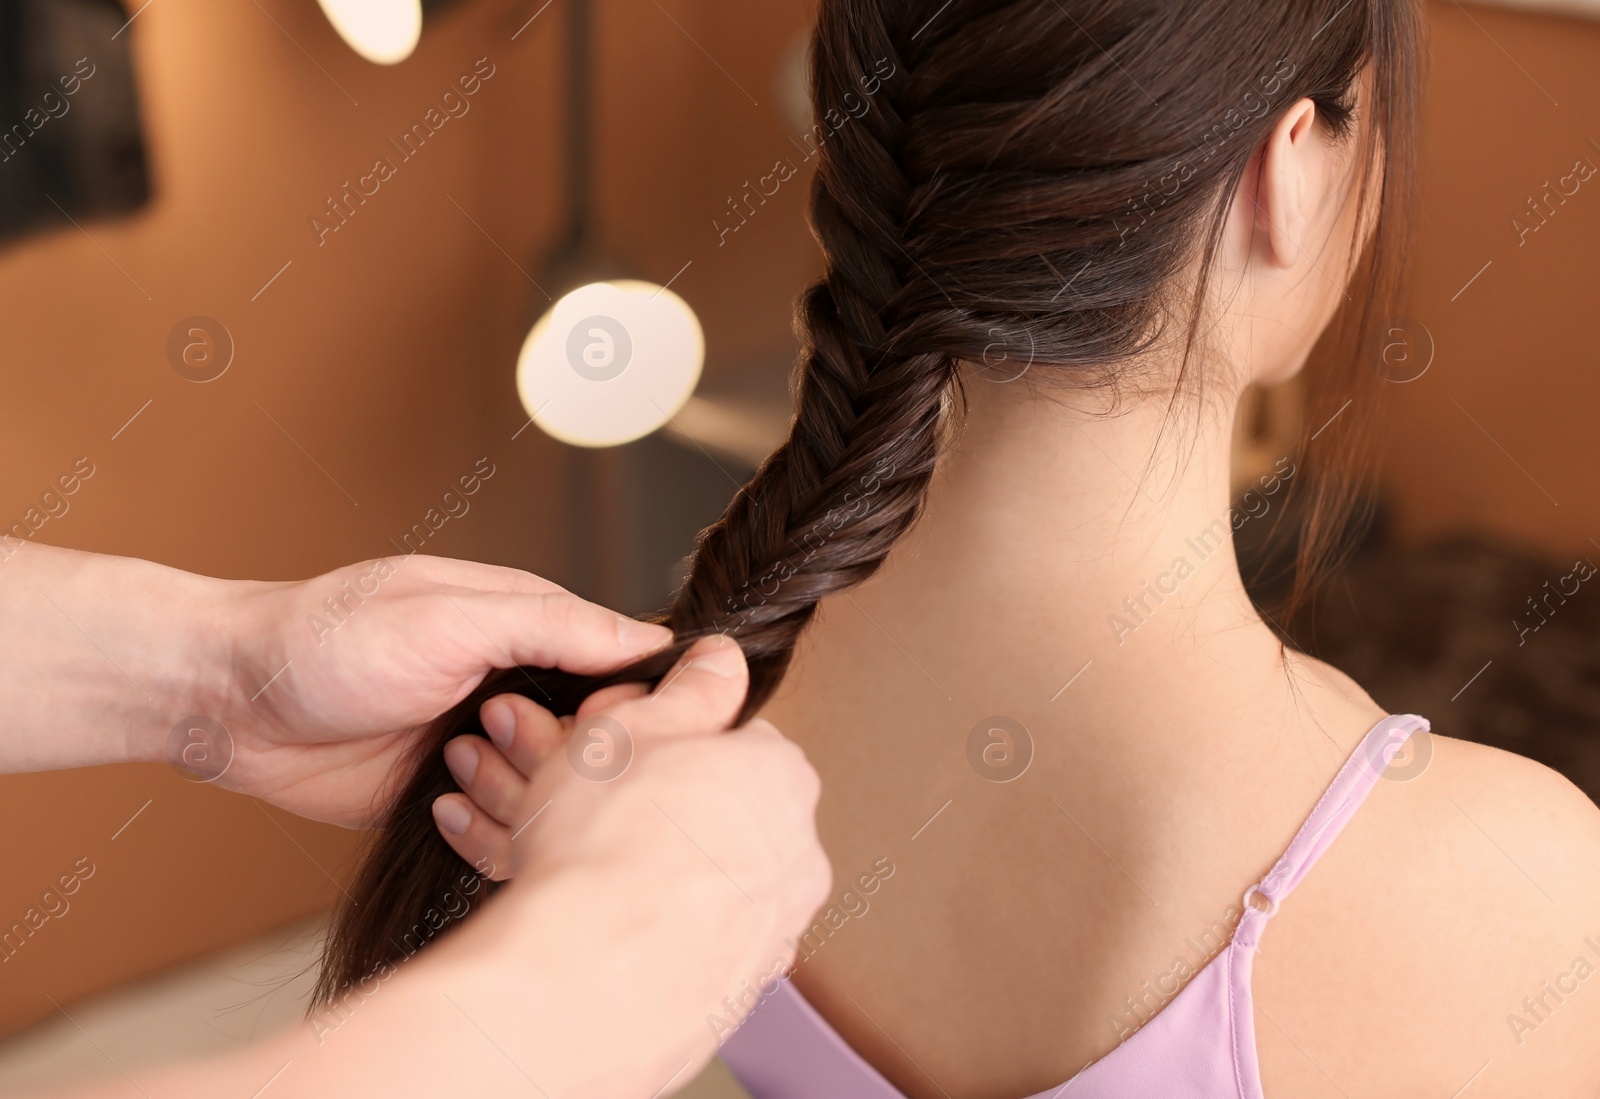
(610, 362)
(382, 31)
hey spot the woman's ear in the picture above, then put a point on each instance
(1291, 185)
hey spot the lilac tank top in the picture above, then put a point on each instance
(1201, 1045)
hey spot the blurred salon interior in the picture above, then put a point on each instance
(286, 284)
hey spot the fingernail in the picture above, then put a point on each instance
(462, 759)
(640, 634)
(452, 816)
(724, 660)
(500, 722)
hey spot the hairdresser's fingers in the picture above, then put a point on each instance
(702, 694)
(486, 776)
(474, 835)
(611, 696)
(549, 630)
(472, 574)
(523, 731)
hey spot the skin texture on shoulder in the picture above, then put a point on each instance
(1445, 939)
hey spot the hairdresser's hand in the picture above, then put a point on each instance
(334, 676)
(688, 873)
(496, 773)
(640, 904)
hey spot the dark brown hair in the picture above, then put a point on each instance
(1019, 185)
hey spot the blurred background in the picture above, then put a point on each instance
(275, 358)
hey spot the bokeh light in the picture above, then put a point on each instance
(610, 362)
(382, 31)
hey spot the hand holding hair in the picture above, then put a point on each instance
(371, 653)
(640, 902)
(318, 687)
(494, 771)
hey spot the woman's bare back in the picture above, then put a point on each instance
(1030, 925)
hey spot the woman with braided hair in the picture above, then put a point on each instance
(988, 583)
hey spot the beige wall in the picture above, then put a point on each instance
(386, 353)
(1513, 102)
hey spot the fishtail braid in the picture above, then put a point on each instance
(1022, 188)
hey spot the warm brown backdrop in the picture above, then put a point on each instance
(387, 354)
(1513, 103)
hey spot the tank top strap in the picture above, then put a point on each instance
(1344, 795)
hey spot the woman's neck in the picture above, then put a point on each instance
(1120, 524)
(1082, 564)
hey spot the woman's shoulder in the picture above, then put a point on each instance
(1528, 814)
(1529, 910)
(1477, 878)
(1488, 801)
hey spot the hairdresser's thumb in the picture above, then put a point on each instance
(701, 695)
